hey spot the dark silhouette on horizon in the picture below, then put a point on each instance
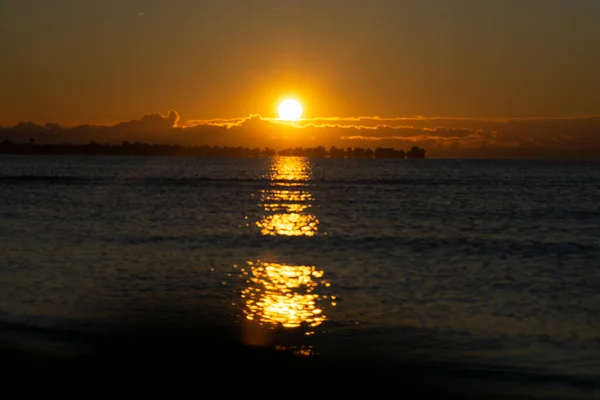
(415, 152)
(541, 138)
(148, 149)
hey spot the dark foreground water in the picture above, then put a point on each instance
(485, 272)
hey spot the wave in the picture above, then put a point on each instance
(508, 245)
(376, 180)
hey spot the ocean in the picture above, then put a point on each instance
(490, 265)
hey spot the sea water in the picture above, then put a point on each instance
(488, 263)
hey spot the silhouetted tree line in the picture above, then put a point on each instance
(146, 149)
(353, 152)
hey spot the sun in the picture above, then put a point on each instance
(290, 110)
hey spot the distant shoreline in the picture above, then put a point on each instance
(146, 149)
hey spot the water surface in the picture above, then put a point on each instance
(493, 264)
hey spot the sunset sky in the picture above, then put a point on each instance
(102, 62)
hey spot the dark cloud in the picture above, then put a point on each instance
(442, 137)
(149, 122)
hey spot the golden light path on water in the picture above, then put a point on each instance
(287, 205)
(290, 169)
(279, 294)
(286, 218)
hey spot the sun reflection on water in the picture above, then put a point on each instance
(290, 169)
(290, 224)
(286, 205)
(275, 196)
(284, 295)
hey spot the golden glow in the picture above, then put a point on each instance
(287, 208)
(290, 110)
(283, 295)
(290, 169)
(293, 224)
(275, 196)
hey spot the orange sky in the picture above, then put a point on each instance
(76, 62)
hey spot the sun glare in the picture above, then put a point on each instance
(290, 110)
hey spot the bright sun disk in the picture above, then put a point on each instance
(290, 110)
